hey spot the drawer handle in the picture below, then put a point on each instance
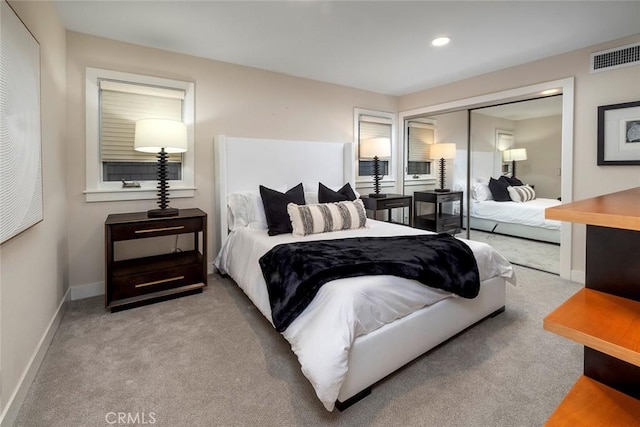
(153, 230)
(141, 285)
(395, 205)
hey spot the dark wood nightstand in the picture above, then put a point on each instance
(133, 282)
(391, 201)
(440, 217)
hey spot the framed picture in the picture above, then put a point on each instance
(21, 202)
(619, 134)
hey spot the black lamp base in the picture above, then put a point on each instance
(442, 190)
(377, 195)
(158, 213)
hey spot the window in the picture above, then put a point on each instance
(121, 105)
(369, 125)
(504, 141)
(420, 134)
(114, 102)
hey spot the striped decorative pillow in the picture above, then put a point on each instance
(521, 193)
(325, 217)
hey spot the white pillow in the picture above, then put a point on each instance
(325, 217)
(245, 209)
(311, 197)
(521, 193)
(481, 192)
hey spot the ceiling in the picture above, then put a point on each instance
(380, 46)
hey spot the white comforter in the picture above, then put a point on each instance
(529, 213)
(343, 309)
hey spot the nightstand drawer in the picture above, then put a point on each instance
(393, 203)
(448, 198)
(145, 282)
(446, 223)
(155, 228)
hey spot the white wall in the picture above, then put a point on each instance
(33, 273)
(591, 91)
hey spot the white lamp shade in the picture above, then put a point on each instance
(370, 148)
(152, 135)
(442, 151)
(516, 154)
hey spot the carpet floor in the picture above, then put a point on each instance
(213, 360)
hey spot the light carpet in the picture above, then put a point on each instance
(213, 360)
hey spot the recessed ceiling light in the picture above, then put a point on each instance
(441, 41)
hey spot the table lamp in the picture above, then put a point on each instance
(514, 155)
(442, 152)
(375, 148)
(161, 136)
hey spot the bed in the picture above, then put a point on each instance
(524, 219)
(342, 351)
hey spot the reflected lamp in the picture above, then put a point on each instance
(514, 155)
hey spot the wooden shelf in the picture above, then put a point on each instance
(615, 210)
(601, 321)
(592, 403)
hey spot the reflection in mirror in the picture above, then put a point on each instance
(421, 171)
(494, 145)
(515, 175)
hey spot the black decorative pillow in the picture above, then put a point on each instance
(513, 181)
(327, 195)
(275, 207)
(499, 190)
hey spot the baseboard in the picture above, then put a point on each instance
(10, 413)
(211, 268)
(87, 291)
(578, 276)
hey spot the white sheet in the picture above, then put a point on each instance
(529, 213)
(343, 309)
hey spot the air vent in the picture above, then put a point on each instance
(618, 57)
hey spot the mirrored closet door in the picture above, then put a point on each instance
(507, 166)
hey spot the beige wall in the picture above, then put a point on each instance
(230, 99)
(33, 273)
(591, 90)
(542, 137)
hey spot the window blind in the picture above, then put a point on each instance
(421, 136)
(121, 105)
(374, 127)
(505, 141)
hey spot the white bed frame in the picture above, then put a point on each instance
(512, 229)
(242, 164)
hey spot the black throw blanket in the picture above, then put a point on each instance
(294, 272)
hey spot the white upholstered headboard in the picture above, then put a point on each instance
(242, 164)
